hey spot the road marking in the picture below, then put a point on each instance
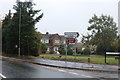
(73, 73)
(2, 76)
(68, 72)
(61, 70)
(45, 67)
(48, 67)
(87, 76)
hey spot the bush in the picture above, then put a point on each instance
(61, 49)
(43, 48)
(34, 51)
(51, 52)
(35, 54)
(119, 45)
(79, 50)
(100, 50)
(86, 51)
(69, 51)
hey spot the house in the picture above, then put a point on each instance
(52, 41)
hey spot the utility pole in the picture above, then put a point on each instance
(75, 48)
(19, 30)
(105, 57)
(66, 52)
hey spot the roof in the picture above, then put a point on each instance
(47, 36)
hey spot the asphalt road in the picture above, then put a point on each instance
(12, 69)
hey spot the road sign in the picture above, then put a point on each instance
(71, 34)
(71, 40)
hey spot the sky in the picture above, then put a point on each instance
(67, 15)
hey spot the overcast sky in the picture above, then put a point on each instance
(67, 15)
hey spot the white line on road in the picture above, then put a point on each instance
(73, 73)
(87, 76)
(68, 72)
(45, 67)
(62, 70)
(2, 76)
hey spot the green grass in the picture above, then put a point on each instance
(97, 59)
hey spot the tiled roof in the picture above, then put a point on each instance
(47, 36)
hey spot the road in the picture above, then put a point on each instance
(12, 69)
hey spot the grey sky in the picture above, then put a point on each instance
(67, 15)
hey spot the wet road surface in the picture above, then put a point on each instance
(12, 69)
(90, 66)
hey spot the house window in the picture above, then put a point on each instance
(42, 40)
(46, 41)
(57, 41)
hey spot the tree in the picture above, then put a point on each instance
(103, 32)
(61, 49)
(86, 51)
(86, 39)
(118, 48)
(29, 37)
(5, 28)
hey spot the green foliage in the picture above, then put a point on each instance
(69, 51)
(52, 51)
(61, 49)
(100, 49)
(103, 33)
(86, 51)
(29, 37)
(119, 45)
(43, 47)
(79, 50)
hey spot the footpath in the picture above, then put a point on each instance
(70, 65)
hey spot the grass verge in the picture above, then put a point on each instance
(96, 59)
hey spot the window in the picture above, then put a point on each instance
(44, 41)
(57, 41)
(47, 41)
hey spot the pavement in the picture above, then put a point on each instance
(75, 65)
(72, 65)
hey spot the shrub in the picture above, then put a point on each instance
(51, 52)
(61, 49)
(86, 51)
(79, 50)
(43, 48)
(100, 50)
(69, 51)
